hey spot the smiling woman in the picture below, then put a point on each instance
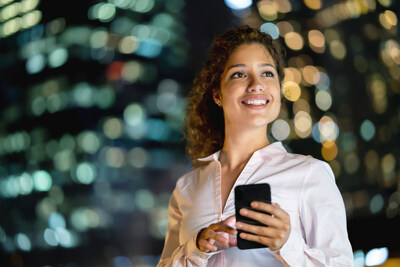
(234, 99)
(205, 127)
(252, 68)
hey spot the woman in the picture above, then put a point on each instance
(234, 99)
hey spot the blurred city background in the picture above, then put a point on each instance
(92, 98)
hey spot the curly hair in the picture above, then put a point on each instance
(204, 122)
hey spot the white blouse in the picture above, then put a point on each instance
(303, 186)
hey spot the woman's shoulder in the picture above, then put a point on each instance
(190, 178)
(314, 168)
(185, 179)
(295, 158)
(307, 163)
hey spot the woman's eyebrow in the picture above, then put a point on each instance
(244, 65)
(266, 65)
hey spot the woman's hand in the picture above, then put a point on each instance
(217, 236)
(276, 231)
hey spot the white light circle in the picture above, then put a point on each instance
(238, 4)
(280, 130)
(376, 256)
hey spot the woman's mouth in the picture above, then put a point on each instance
(256, 102)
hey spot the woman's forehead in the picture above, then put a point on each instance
(253, 52)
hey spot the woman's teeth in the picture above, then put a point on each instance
(256, 102)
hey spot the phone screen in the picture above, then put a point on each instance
(244, 195)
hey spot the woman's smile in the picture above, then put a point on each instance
(256, 102)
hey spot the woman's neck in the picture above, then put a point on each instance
(239, 146)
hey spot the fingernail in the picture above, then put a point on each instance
(243, 211)
(242, 235)
(239, 225)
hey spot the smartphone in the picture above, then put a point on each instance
(244, 195)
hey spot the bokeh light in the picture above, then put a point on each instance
(144, 200)
(376, 256)
(23, 242)
(388, 19)
(42, 180)
(294, 40)
(85, 173)
(337, 49)
(291, 91)
(112, 128)
(313, 4)
(303, 124)
(323, 100)
(134, 114)
(328, 129)
(367, 130)
(238, 4)
(280, 129)
(329, 150)
(316, 40)
(271, 29)
(284, 27)
(267, 10)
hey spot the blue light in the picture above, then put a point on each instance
(359, 258)
(157, 130)
(56, 220)
(23, 242)
(367, 130)
(121, 261)
(322, 81)
(238, 4)
(271, 29)
(35, 64)
(376, 256)
(37, 32)
(316, 135)
(149, 48)
(377, 203)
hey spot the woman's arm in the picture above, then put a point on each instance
(323, 219)
(173, 253)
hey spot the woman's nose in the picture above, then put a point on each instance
(255, 86)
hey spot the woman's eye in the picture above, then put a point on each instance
(268, 74)
(237, 75)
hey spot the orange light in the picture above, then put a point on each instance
(329, 150)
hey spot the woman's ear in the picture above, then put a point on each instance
(217, 98)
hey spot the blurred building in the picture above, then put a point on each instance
(92, 104)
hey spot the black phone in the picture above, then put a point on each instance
(244, 195)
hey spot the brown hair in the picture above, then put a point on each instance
(204, 122)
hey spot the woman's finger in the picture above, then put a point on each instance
(206, 246)
(211, 234)
(230, 220)
(272, 243)
(223, 227)
(273, 209)
(256, 238)
(263, 218)
(258, 230)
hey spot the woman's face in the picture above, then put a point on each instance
(250, 90)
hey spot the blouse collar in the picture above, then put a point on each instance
(265, 153)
